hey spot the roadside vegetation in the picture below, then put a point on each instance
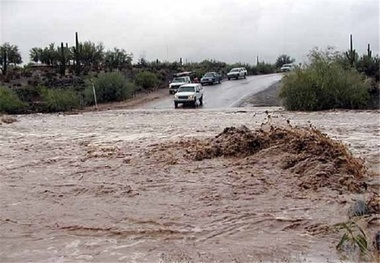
(333, 80)
(9, 101)
(61, 77)
(112, 86)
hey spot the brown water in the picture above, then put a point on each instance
(109, 186)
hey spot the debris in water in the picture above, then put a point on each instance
(359, 208)
(8, 119)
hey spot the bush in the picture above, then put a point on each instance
(265, 68)
(10, 102)
(323, 85)
(59, 99)
(112, 86)
(370, 66)
(27, 94)
(146, 80)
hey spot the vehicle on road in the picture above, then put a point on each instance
(237, 73)
(287, 67)
(211, 78)
(177, 82)
(189, 94)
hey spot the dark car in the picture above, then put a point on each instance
(211, 78)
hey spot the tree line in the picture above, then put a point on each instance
(81, 58)
(87, 56)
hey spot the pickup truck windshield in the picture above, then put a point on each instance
(186, 89)
(178, 80)
(209, 74)
(235, 70)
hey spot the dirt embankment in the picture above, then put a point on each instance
(266, 98)
(133, 103)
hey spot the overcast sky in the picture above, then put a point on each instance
(225, 30)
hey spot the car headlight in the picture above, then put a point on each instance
(191, 97)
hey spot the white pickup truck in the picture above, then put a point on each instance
(236, 73)
(177, 82)
(189, 94)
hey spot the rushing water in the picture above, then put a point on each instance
(87, 187)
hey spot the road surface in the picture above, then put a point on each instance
(225, 95)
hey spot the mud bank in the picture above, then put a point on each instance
(148, 186)
(266, 98)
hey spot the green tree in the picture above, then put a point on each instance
(9, 54)
(48, 55)
(284, 59)
(142, 63)
(91, 55)
(35, 54)
(118, 59)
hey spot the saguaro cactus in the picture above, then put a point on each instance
(68, 56)
(77, 54)
(351, 53)
(369, 52)
(63, 59)
(5, 61)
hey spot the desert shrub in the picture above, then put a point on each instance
(27, 94)
(370, 66)
(10, 102)
(112, 86)
(253, 71)
(324, 84)
(146, 80)
(59, 100)
(265, 68)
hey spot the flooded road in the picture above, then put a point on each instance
(119, 186)
(227, 94)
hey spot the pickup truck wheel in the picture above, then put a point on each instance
(228, 78)
(194, 104)
(176, 105)
(237, 77)
(245, 76)
(201, 101)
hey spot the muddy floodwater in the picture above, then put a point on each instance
(127, 185)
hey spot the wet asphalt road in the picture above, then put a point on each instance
(228, 94)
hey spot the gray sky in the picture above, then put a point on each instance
(225, 30)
